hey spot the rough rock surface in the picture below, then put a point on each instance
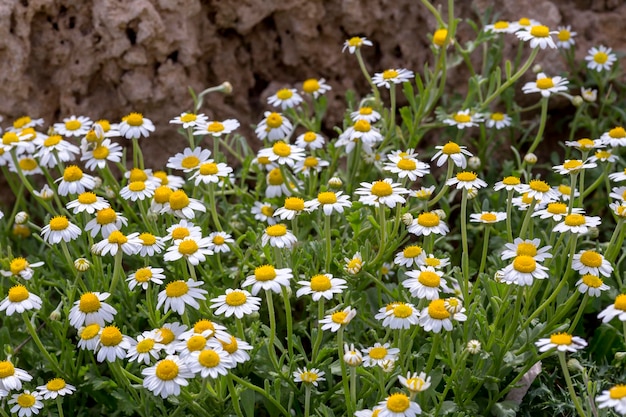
(105, 58)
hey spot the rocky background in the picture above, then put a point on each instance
(106, 58)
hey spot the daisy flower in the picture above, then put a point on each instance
(91, 308)
(523, 271)
(135, 126)
(500, 26)
(462, 119)
(189, 160)
(19, 300)
(539, 190)
(384, 192)
(398, 405)
(145, 348)
(322, 285)
(236, 349)
(584, 144)
(169, 334)
(615, 398)
(310, 140)
(488, 217)
(406, 167)
(20, 267)
(436, 316)
(11, 377)
(182, 206)
(555, 211)
(400, 315)
(315, 87)
(101, 153)
(592, 285)
(74, 181)
(354, 43)
(210, 172)
(498, 120)
(211, 362)
(54, 388)
(433, 261)
(59, 229)
(263, 212)
(266, 277)
(237, 302)
(546, 85)
(276, 185)
(338, 319)
(172, 181)
(182, 230)
(452, 151)
(150, 244)
(573, 166)
(192, 342)
(564, 192)
(378, 353)
(273, 127)
(26, 403)
(113, 345)
(55, 148)
(618, 176)
(423, 193)
(353, 265)
(619, 208)
(283, 153)
(167, 376)
(138, 190)
(220, 242)
(577, 223)
(565, 37)
(308, 376)
(365, 113)
(604, 155)
(591, 262)
(178, 294)
(392, 76)
(600, 58)
(409, 256)
(329, 201)
(615, 137)
(538, 35)
(130, 245)
(310, 164)
(27, 164)
(143, 276)
(352, 357)
(589, 94)
(425, 283)
(278, 236)
(426, 223)
(467, 180)
(188, 120)
(563, 342)
(87, 202)
(415, 383)
(106, 221)
(73, 126)
(361, 131)
(285, 98)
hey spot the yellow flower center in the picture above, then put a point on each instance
(58, 223)
(620, 302)
(50, 141)
(439, 37)
(111, 336)
(617, 392)
(21, 122)
(230, 347)
(311, 162)
(274, 120)
(365, 111)
(145, 345)
(28, 164)
(466, 176)
(104, 124)
(603, 155)
(389, 74)
(398, 403)
(309, 137)
(91, 136)
(412, 251)
(545, 83)
(180, 233)
(87, 198)
(89, 332)
(55, 384)
(539, 185)
(574, 219)
(434, 262)
(137, 186)
(437, 310)
(161, 175)
(310, 86)
(117, 238)
(355, 263)
(591, 258)
(188, 247)
(339, 317)
(18, 265)
(275, 177)
(488, 217)
(362, 126)
(378, 352)
(592, 281)
(561, 339)
(564, 35)
(497, 117)
(218, 240)
(406, 164)
(557, 208)
(178, 200)
(9, 138)
(428, 219)
(525, 264)
(451, 148)
(586, 143)
(190, 161)
(327, 197)
(617, 133)
(73, 125)
(203, 325)
(574, 164)
(600, 57)
(134, 119)
(308, 376)
(565, 189)
(148, 239)
(236, 298)
(89, 303)
(276, 230)
(402, 311)
(137, 174)
(25, 400)
(166, 370)
(429, 279)
(264, 273)
(6, 369)
(196, 343)
(267, 211)
(462, 118)
(18, 293)
(355, 42)
(511, 181)
(320, 283)
(143, 275)
(72, 173)
(188, 117)
(540, 31)
(501, 24)
(176, 289)
(209, 168)
(294, 203)
(209, 358)
(381, 189)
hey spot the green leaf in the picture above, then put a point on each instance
(505, 409)
(248, 400)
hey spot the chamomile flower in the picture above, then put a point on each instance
(145, 348)
(423, 193)
(263, 212)
(425, 283)
(189, 160)
(113, 344)
(589, 94)
(129, 244)
(361, 131)
(577, 223)
(310, 140)
(466, 179)
(60, 229)
(220, 242)
(283, 153)
(187, 119)
(73, 126)
(178, 294)
(614, 398)
(315, 87)
(600, 58)
(406, 167)
(74, 181)
(619, 208)
(546, 85)
(426, 223)
(365, 113)
(266, 277)
(20, 267)
(539, 190)
(91, 308)
(150, 244)
(11, 377)
(398, 405)
(182, 206)
(618, 176)
(310, 164)
(138, 190)
(409, 256)
(278, 236)
(615, 137)
(573, 166)
(592, 285)
(392, 76)
(54, 388)
(55, 148)
(329, 201)
(378, 353)
(106, 221)
(399, 315)
(523, 271)
(354, 43)
(19, 300)
(103, 152)
(415, 382)
(430, 260)
(210, 362)
(591, 262)
(167, 376)
(451, 150)
(193, 248)
(338, 319)
(384, 192)
(169, 335)
(321, 285)
(436, 316)
(584, 144)
(565, 37)
(26, 403)
(555, 211)
(235, 302)
(564, 192)
(604, 155)
(273, 127)
(308, 376)
(87, 202)
(498, 120)
(488, 217)
(352, 357)
(89, 336)
(236, 349)
(538, 35)
(143, 276)
(501, 26)
(135, 126)
(27, 164)
(182, 230)
(353, 265)
(172, 181)
(462, 119)
(210, 172)
(563, 342)
(216, 128)
(276, 185)
(285, 98)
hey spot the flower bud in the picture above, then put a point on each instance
(473, 346)
(593, 232)
(440, 213)
(577, 101)
(407, 219)
(98, 181)
(574, 365)
(55, 315)
(474, 162)
(530, 158)
(108, 191)
(335, 183)
(387, 365)
(21, 217)
(537, 68)
(352, 356)
(619, 356)
(46, 193)
(589, 94)
(472, 193)
(227, 87)
(498, 276)
(82, 264)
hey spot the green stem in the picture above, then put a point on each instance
(289, 319)
(511, 80)
(570, 387)
(465, 253)
(445, 186)
(307, 399)
(59, 401)
(318, 336)
(272, 317)
(52, 360)
(509, 206)
(213, 208)
(344, 376)
(234, 396)
(483, 259)
(327, 233)
(265, 394)
(366, 74)
(433, 352)
(529, 212)
(117, 270)
(579, 313)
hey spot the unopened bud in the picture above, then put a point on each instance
(620, 356)
(593, 232)
(530, 158)
(46, 193)
(577, 101)
(227, 87)
(55, 315)
(97, 181)
(82, 264)
(537, 68)
(474, 162)
(21, 217)
(387, 365)
(407, 219)
(472, 193)
(440, 213)
(335, 183)
(574, 365)
(109, 193)
(498, 276)
(473, 346)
